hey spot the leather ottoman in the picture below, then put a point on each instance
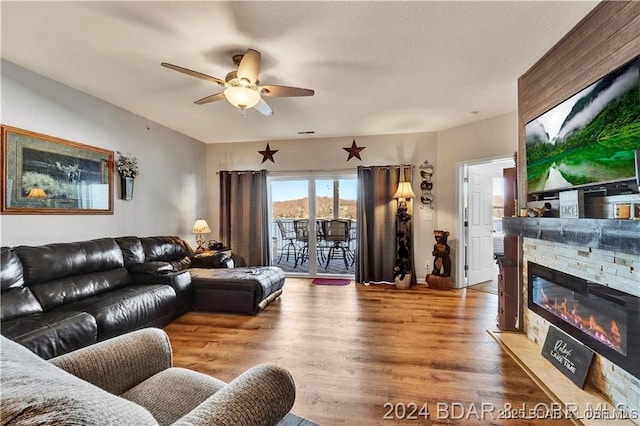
(246, 290)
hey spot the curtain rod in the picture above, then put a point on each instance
(397, 166)
(293, 171)
(352, 170)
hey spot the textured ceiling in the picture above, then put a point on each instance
(376, 67)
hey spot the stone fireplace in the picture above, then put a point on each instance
(600, 252)
(615, 270)
(604, 319)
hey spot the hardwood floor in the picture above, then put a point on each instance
(353, 349)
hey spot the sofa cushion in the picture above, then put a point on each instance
(167, 249)
(51, 334)
(259, 280)
(173, 393)
(67, 290)
(16, 299)
(36, 392)
(132, 251)
(222, 259)
(128, 308)
(17, 302)
(10, 269)
(243, 290)
(56, 261)
(180, 281)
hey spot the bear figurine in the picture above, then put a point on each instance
(403, 265)
(441, 251)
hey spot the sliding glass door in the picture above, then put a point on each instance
(313, 224)
(289, 202)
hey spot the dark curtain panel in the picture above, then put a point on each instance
(244, 215)
(376, 233)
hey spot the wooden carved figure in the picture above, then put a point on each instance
(441, 251)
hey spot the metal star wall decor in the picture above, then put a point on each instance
(354, 150)
(267, 154)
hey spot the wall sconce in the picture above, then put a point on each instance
(36, 193)
(200, 227)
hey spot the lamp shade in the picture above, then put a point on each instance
(404, 191)
(242, 97)
(201, 227)
(36, 193)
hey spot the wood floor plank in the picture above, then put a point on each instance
(352, 349)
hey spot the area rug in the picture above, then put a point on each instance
(330, 281)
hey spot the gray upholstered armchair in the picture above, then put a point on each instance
(130, 380)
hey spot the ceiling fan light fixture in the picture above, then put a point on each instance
(242, 86)
(242, 97)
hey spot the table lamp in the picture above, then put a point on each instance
(200, 227)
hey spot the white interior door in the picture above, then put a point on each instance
(480, 240)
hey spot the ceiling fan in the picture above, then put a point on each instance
(241, 87)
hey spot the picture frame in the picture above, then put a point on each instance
(43, 174)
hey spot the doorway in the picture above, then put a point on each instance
(481, 195)
(302, 212)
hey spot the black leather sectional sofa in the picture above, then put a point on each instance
(60, 297)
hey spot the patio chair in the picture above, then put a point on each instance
(301, 228)
(338, 232)
(321, 242)
(288, 242)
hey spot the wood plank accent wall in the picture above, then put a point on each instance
(605, 39)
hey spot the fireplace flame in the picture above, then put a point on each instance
(615, 334)
(610, 336)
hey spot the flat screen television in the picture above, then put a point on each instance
(589, 139)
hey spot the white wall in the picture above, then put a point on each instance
(486, 139)
(489, 138)
(173, 188)
(169, 193)
(328, 154)
(492, 138)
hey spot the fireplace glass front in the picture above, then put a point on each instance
(602, 318)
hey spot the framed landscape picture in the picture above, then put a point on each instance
(47, 175)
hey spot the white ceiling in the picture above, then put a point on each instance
(376, 67)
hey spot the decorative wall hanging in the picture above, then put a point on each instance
(127, 167)
(354, 151)
(47, 175)
(426, 172)
(268, 153)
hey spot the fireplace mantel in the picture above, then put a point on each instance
(607, 234)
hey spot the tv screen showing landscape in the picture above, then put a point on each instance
(588, 139)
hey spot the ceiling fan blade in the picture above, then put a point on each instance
(249, 66)
(193, 73)
(210, 98)
(285, 91)
(263, 108)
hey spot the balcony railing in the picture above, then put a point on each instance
(286, 240)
